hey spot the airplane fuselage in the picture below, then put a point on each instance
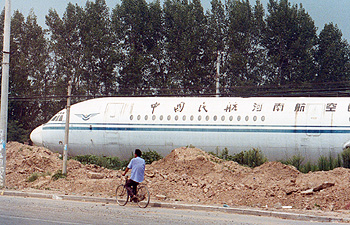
(279, 127)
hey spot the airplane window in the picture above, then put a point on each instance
(231, 118)
(223, 118)
(255, 118)
(138, 117)
(238, 118)
(60, 118)
(246, 118)
(207, 118)
(161, 117)
(192, 118)
(215, 118)
(169, 117)
(54, 118)
(131, 117)
(263, 118)
(154, 117)
(146, 117)
(176, 117)
(184, 118)
(200, 118)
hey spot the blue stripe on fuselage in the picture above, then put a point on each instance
(202, 128)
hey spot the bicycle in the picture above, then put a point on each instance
(142, 195)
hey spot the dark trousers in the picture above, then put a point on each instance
(131, 186)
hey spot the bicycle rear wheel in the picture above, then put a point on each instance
(143, 196)
(122, 195)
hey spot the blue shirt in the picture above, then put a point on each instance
(137, 166)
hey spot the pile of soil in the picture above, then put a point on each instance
(187, 175)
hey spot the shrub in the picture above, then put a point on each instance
(308, 167)
(296, 161)
(346, 157)
(239, 158)
(323, 163)
(33, 177)
(58, 175)
(328, 163)
(151, 156)
(251, 158)
(106, 162)
(254, 158)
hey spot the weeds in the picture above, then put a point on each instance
(345, 155)
(106, 162)
(115, 163)
(255, 157)
(33, 177)
(151, 156)
(323, 163)
(58, 175)
(251, 158)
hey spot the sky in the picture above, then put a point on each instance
(321, 11)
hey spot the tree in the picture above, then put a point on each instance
(83, 48)
(66, 49)
(186, 40)
(217, 39)
(217, 27)
(36, 55)
(28, 67)
(136, 37)
(332, 56)
(246, 57)
(290, 37)
(99, 57)
(159, 78)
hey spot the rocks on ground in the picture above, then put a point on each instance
(188, 175)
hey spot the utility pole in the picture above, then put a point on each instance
(4, 92)
(218, 61)
(66, 133)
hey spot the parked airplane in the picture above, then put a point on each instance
(279, 127)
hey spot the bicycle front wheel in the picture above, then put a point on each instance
(143, 196)
(122, 195)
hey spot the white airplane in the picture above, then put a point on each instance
(279, 127)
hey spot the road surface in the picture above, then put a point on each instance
(19, 210)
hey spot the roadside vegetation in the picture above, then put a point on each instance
(255, 157)
(252, 158)
(324, 163)
(34, 176)
(115, 163)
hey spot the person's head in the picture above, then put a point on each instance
(138, 152)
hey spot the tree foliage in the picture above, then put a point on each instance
(290, 36)
(141, 48)
(332, 55)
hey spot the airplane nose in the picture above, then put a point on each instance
(36, 136)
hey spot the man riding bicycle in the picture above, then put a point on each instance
(137, 166)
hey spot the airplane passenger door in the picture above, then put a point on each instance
(112, 116)
(114, 111)
(314, 119)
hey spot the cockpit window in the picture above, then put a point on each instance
(57, 117)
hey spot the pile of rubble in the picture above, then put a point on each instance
(188, 175)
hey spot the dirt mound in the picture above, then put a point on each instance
(23, 161)
(188, 175)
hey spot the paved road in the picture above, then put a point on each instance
(18, 210)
